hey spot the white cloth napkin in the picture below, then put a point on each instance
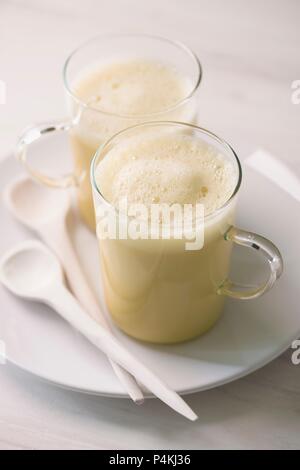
(274, 169)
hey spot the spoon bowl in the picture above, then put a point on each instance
(29, 268)
(33, 204)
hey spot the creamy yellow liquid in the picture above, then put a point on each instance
(135, 88)
(156, 290)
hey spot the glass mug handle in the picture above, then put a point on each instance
(270, 253)
(34, 133)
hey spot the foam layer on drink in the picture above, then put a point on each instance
(132, 87)
(166, 168)
(121, 93)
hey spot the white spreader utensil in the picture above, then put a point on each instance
(32, 271)
(45, 211)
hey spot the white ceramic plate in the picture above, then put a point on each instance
(249, 335)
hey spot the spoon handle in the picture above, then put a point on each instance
(67, 306)
(59, 241)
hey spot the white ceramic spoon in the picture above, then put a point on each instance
(45, 211)
(30, 270)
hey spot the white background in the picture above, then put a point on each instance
(250, 53)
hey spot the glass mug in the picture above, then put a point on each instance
(156, 290)
(89, 126)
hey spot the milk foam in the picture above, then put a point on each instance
(167, 168)
(121, 92)
(132, 87)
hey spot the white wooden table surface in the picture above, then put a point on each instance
(250, 53)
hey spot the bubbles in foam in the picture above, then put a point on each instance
(131, 87)
(149, 180)
(166, 168)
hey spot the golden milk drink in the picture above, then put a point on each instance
(118, 94)
(157, 290)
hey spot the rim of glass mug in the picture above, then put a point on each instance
(33, 133)
(238, 236)
(225, 147)
(177, 44)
